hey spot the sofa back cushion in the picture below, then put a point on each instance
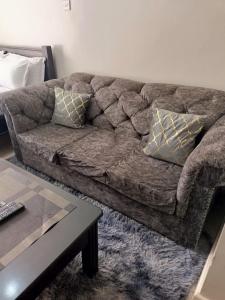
(120, 101)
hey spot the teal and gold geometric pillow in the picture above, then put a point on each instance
(172, 135)
(70, 108)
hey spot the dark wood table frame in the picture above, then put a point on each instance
(26, 276)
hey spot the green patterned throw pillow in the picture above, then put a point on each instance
(70, 108)
(172, 135)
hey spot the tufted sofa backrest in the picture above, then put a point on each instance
(120, 103)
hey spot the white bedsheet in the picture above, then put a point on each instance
(3, 89)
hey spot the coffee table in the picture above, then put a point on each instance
(30, 272)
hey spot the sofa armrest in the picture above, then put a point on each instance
(31, 106)
(27, 108)
(205, 166)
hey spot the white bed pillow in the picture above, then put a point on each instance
(36, 70)
(13, 74)
(36, 73)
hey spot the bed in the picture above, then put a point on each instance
(49, 69)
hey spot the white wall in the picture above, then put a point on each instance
(176, 41)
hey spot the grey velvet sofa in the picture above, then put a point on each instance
(105, 159)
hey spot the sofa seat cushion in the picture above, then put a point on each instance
(95, 153)
(147, 180)
(45, 140)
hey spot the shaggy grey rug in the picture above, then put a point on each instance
(134, 262)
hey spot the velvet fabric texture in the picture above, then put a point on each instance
(105, 160)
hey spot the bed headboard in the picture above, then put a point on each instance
(45, 51)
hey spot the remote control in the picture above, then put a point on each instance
(10, 209)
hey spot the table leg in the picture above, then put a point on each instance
(90, 252)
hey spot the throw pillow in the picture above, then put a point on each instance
(172, 135)
(70, 108)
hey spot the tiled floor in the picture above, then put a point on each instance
(5, 146)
